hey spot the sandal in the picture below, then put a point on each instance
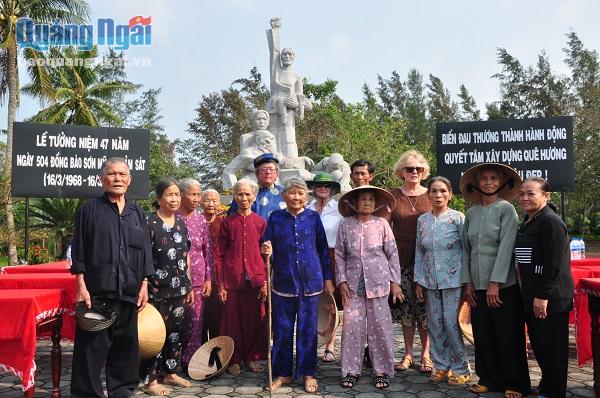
(426, 365)
(456, 380)
(439, 375)
(154, 390)
(279, 382)
(380, 382)
(349, 380)
(177, 382)
(512, 394)
(310, 385)
(328, 356)
(404, 364)
(478, 388)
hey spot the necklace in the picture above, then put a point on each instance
(413, 206)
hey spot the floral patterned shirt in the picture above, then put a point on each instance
(201, 262)
(170, 247)
(438, 254)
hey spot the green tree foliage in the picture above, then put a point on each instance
(76, 95)
(57, 216)
(40, 11)
(221, 118)
(468, 107)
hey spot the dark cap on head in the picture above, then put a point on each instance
(265, 158)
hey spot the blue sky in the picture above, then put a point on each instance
(202, 46)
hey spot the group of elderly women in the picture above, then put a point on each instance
(401, 256)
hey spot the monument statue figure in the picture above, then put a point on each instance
(255, 143)
(287, 98)
(338, 168)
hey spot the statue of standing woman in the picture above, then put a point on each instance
(287, 98)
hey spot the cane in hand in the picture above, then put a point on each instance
(270, 319)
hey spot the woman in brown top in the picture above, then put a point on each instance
(411, 202)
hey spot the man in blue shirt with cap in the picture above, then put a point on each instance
(266, 168)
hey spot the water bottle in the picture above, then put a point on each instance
(574, 246)
(581, 248)
(68, 256)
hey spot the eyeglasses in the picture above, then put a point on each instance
(267, 170)
(413, 169)
(322, 186)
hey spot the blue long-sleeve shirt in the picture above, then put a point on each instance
(300, 261)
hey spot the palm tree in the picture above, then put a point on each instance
(75, 94)
(40, 11)
(58, 216)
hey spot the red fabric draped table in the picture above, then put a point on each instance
(59, 266)
(591, 286)
(52, 280)
(580, 269)
(24, 314)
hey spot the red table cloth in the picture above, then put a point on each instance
(581, 269)
(59, 266)
(48, 281)
(20, 311)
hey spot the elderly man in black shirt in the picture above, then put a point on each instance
(112, 259)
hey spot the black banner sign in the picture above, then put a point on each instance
(63, 161)
(534, 147)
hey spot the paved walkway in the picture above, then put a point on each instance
(410, 383)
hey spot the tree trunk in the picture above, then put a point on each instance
(12, 112)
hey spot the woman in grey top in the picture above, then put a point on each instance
(489, 280)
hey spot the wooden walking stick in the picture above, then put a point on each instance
(270, 332)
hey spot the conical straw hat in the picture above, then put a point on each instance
(464, 321)
(151, 331)
(328, 318)
(211, 359)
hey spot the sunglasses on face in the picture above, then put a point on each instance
(413, 169)
(321, 185)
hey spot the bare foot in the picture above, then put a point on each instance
(280, 382)
(175, 380)
(255, 367)
(310, 384)
(155, 389)
(234, 369)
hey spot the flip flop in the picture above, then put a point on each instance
(330, 358)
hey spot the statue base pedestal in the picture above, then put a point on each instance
(284, 174)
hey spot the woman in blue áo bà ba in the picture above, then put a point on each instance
(296, 239)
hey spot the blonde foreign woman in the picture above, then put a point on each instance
(438, 260)
(411, 202)
(489, 280)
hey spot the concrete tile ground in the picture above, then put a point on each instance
(406, 384)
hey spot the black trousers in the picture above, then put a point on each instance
(550, 342)
(500, 352)
(166, 362)
(116, 349)
(211, 317)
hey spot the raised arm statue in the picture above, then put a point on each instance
(287, 98)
